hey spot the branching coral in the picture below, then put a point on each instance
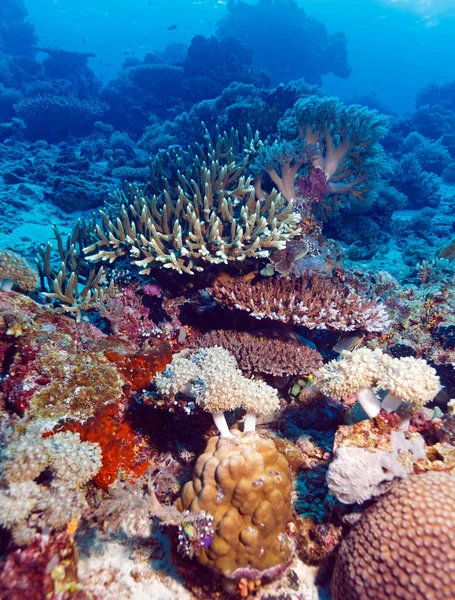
(209, 214)
(263, 355)
(325, 148)
(28, 505)
(212, 378)
(356, 373)
(313, 301)
(14, 270)
(76, 286)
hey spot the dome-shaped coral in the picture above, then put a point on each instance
(245, 484)
(403, 547)
(15, 270)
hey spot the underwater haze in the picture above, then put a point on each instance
(227, 300)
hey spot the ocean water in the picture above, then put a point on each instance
(227, 285)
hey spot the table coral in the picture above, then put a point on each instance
(313, 301)
(245, 484)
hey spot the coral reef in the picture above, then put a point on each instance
(320, 54)
(313, 301)
(356, 373)
(28, 507)
(14, 270)
(245, 484)
(211, 215)
(211, 376)
(401, 546)
(261, 355)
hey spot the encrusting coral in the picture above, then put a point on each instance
(267, 356)
(28, 505)
(312, 301)
(211, 376)
(246, 485)
(210, 214)
(407, 379)
(14, 270)
(403, 546)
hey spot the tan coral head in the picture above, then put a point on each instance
(246, 484)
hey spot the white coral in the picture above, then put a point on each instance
(406, 379)
(25, 504)
(211, 376)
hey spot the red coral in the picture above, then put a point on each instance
(139, 369)
(123, 449)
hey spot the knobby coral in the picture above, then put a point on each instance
(268, 356)
(246, 484)
(211, 376)
(209, 214)
(312, 301)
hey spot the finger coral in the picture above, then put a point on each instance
(246, 485)
(263, 355)
(403, 546)
(14, 270)
(210, 214)
(211, 376)
(312, 301)
(27, 506)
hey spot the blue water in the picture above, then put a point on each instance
(395, 47)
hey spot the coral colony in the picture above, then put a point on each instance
(205, 392)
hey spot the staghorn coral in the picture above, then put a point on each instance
(402, 546)
(209, 214)
(263, 355)
(407, 379)
(312, 301)
(245, 484)
(74, 286)
(27, 506)
(212, 378)
(14, 270)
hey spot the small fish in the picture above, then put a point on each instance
(84, 40)
(171, 28)
(348, 342)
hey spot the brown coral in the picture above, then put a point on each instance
(313, 301)
(263, 355)
(15, 270)
(403, 546)
(245, 484)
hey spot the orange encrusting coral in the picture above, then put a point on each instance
(140, 369)
(120, 445)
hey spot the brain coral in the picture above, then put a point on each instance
(246, 485)
(403, 547)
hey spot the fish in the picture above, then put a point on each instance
(348, 342)
(171, 27)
